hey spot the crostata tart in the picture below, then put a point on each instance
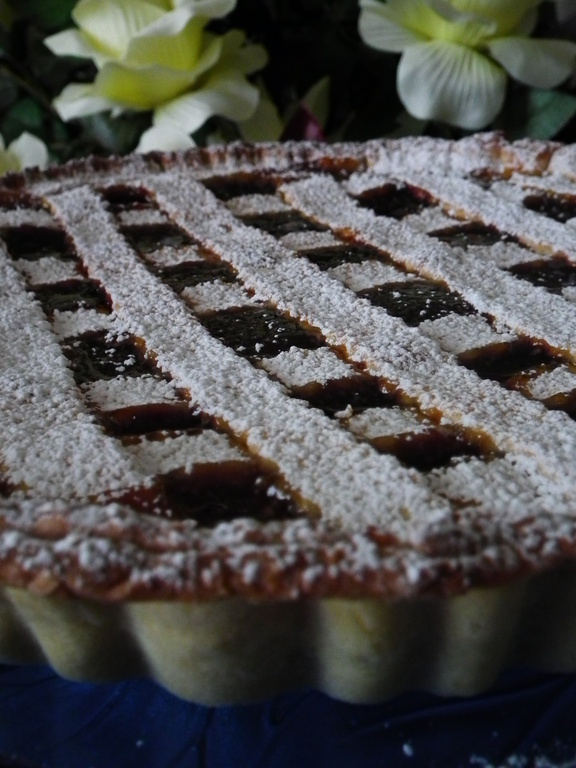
(286, 415)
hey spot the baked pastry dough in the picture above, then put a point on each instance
(284, 415)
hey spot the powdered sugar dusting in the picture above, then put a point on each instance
(373, 526)
(47, 270)
(123, 392)
(183, 452)
(298, 367)
(228, 387)
(465, 199)
(217, 295)
(457, 334)
(45, 427)
(76, 323)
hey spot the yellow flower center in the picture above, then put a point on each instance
(9, 162)
(468, 22)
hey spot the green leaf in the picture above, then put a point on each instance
(537, 113)
(8, 90)
(116, 135)
(48, 14)
(24, 115)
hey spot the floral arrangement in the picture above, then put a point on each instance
(113, 76)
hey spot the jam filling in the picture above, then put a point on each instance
(395, 201)
(328, 258)
(428, 450)
(32, 243)
(258, 331)
(417, 300)
(216, 493)
(146, 238)
(560, 209)
(6, 487)
(70, 295)
(503, 362)
(485, 178)
(471, 234)
(357, 394)
(552, 274)
(228, 187)
(123, 198)
(97, 355)
(563, 401)
(192, 273)
(284, 223)
(153, 417)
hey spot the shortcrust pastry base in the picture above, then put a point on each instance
(234, 650)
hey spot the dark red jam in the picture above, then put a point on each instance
(417, 300)
(559, 208)
(257, 331)
(395, 201)
(97, 355)
(283, 223)
(31, 242)
(328, 258)
(551, 274)
(70, 295)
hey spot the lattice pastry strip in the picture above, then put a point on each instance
(489, 289)
(463, 198)
(408, 362)
(75, 323)
(127, 405)
(479, 231)
(546, 309)
(502, 254)
(47, 428)
(103, 395)
(246, 401)
(47, 270)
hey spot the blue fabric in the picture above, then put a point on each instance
(528, 719)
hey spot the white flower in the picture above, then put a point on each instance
(456, 54)
(155, 55)
(25, 151)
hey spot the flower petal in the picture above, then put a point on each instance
(508, 14)
(526, 25)
(448, 82)
(495, 8)
(140, 89)
(9, 162)
(170, 24)
(78, 100)
(536, 62)
(71, 42)
(165, 138)
(425, 20)
(379, 29)
(242, 58)
(180, 50)
(110, 25)
(30, 150)
(227, 94)
(264, 124)
(209, 9)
